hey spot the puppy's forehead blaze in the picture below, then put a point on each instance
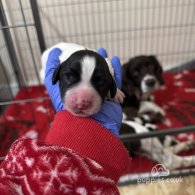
(88, 64)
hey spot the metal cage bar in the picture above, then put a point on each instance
(38, 26)
(172, 131)
(10, 46)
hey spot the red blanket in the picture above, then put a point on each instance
(33, 119)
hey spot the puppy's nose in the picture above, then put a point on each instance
(150, 82)
(83, 104)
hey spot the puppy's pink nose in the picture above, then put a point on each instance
(83, 104)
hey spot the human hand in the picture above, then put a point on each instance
(53, 90)
(110, 115)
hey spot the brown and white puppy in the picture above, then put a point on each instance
(141, 76)
(85, 80)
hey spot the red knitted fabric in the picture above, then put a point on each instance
(33, 168)
(89, 138)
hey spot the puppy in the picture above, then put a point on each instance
(85, 79)
(163, 150)
(141, 76)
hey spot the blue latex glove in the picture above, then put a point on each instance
(110, 115)
(53, 90)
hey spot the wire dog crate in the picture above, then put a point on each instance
(125, 28)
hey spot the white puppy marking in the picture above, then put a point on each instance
(88, 66)
(146, 88)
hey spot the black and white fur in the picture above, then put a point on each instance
(85, 79)
(141, 76)
(163, 150)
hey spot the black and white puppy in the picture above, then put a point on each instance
(164, 150)
(141, 76)
(85, 79)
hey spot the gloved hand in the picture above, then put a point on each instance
(110, 115)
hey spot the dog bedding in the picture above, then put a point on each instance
(33, 119)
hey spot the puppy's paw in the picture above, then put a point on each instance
(119, 97)
(155, 112)
(158, 117)
(161, 112)
(189, 145)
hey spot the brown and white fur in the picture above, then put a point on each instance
(141, 76)
(163, 150)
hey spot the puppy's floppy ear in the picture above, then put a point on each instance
(113, 88)
(56, 75)
(159, 69)
(127, 84)
(161, 80)
(155, 61)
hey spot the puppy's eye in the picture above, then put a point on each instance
(70, 77)
(136, 73)
(99, 80)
